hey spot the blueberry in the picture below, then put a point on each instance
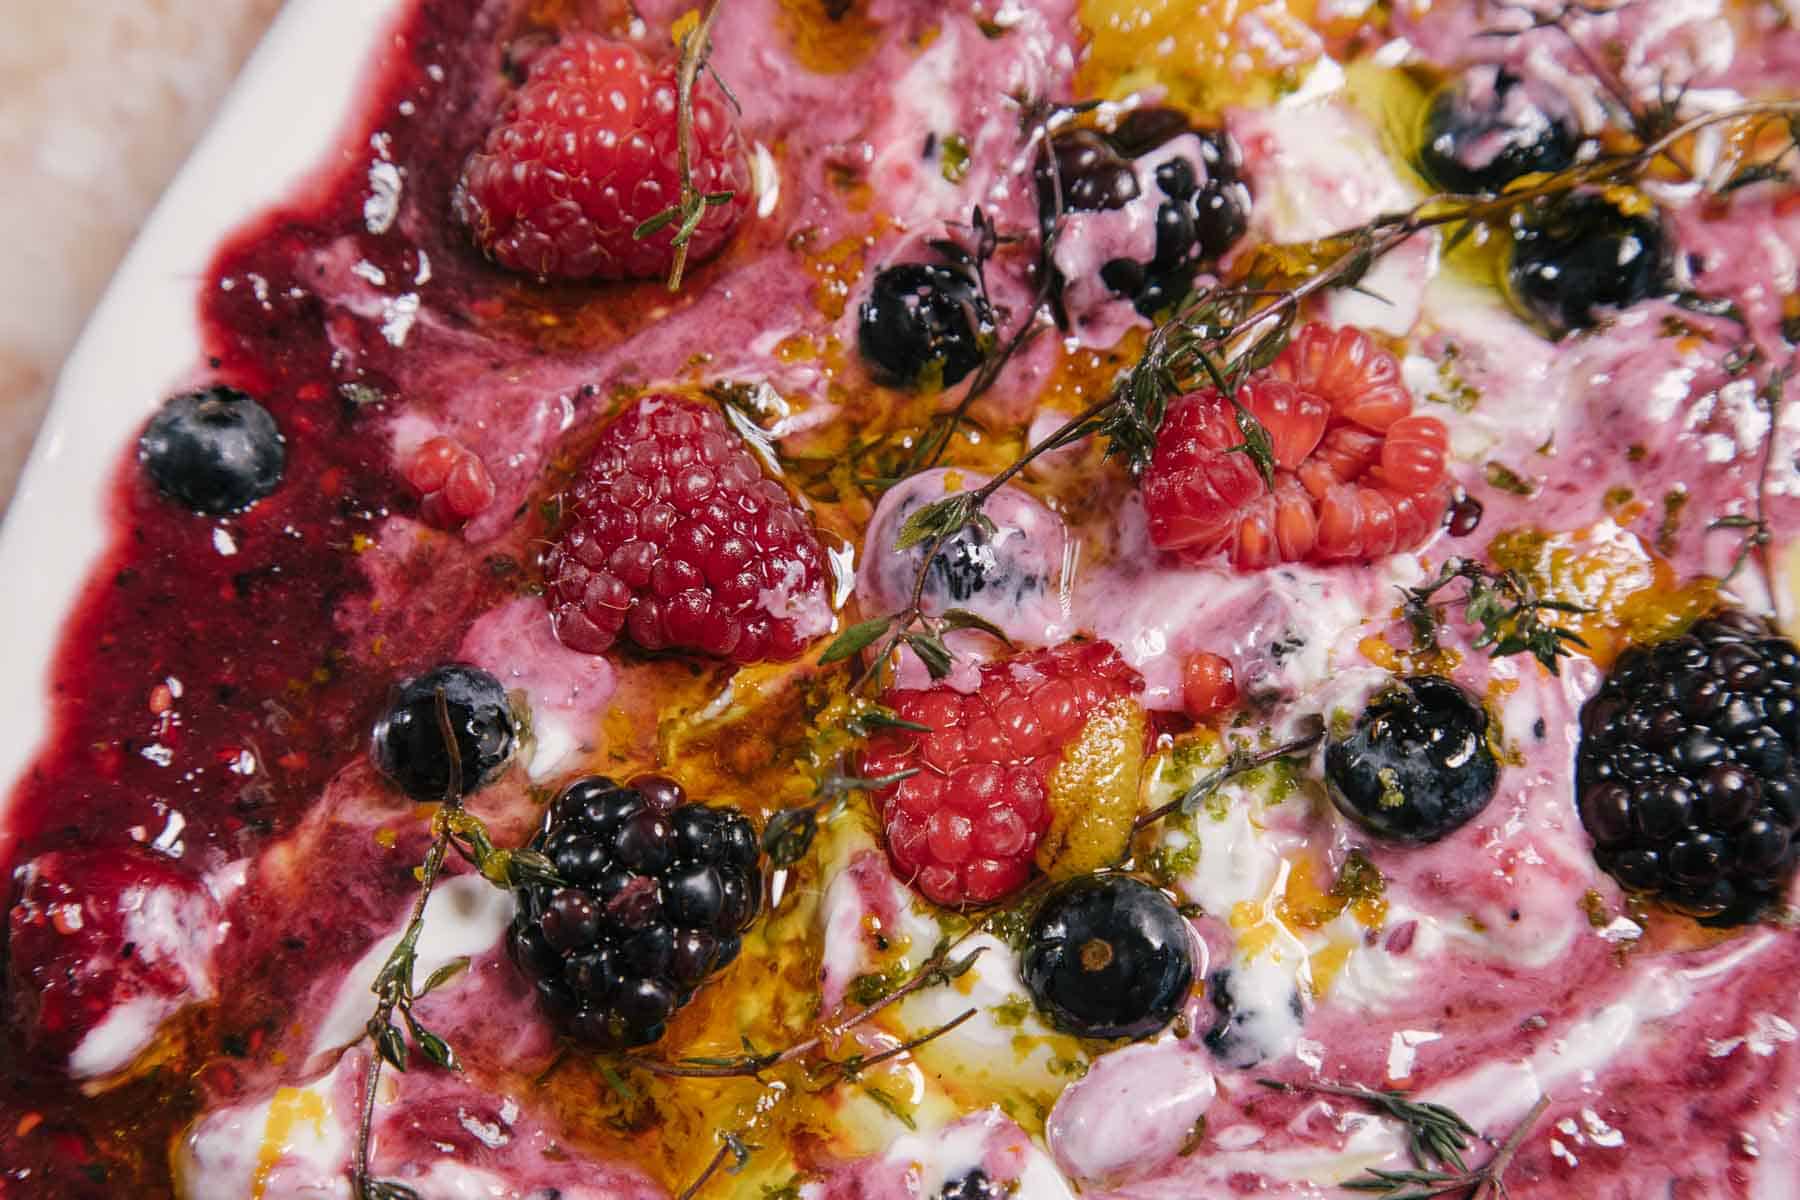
(409, 745)
(924, 323)
(1575, 259)
(216, 451)
(1488, 127)
(1417, 765)
(1108, 956)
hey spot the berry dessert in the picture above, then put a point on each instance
(927, 600)
(1686, 769)
(674, 539)
(652, 897)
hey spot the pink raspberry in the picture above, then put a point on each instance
(963, 830)
(674, 538)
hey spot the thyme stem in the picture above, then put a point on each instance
(692, 204)
(936, 969)
(390, 991)
(1239, 763)
(705, 1176)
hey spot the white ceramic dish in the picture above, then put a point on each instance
(272, 136)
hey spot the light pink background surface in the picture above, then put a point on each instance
(100, 100)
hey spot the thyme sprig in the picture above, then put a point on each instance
(1506, 606)
(1436, 1137)
(1754, 530)
(790, 832)
(394, 987)
(690, 207)
(940, 968)
(1239, 762)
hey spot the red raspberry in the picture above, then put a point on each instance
(583, 153)
(96, 929)
(453, 483)
(1357, 476)
(674, 536)
(1208, 685)
(964, 828)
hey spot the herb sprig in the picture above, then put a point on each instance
(1754, 531)
(691, 205)
(394, 987)
(1240, 761)
(1436, 1138)
(941, 968)
(1503, 603)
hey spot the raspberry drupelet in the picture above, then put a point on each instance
(675, 540)
(1358, 476)
(964, 828)
(584, 153)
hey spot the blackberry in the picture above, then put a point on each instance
(1108, 956)
(216, 451)
(655, 896)
(1204, 206)
(1489, 126)
(920, 316)
(1417, 765)
(1575, 259)
(408, 745)
(1686, 775)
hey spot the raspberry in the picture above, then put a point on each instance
(1686, 774)
(1357, 476)
(674, 537)
(94, 930)
(583, 153)
(964, 829)
(1208, 685)
(452, 481)
(654, 899)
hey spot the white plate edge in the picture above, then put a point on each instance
(286, 113)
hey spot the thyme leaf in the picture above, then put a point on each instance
(691, 205)
(1240, 761)
(1504, 604)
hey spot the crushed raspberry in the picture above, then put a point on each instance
(96, 929)
(453, 483)
(585, 152)
(963, 830)
(1208, 685)
(674, 539)
(1357, 475)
